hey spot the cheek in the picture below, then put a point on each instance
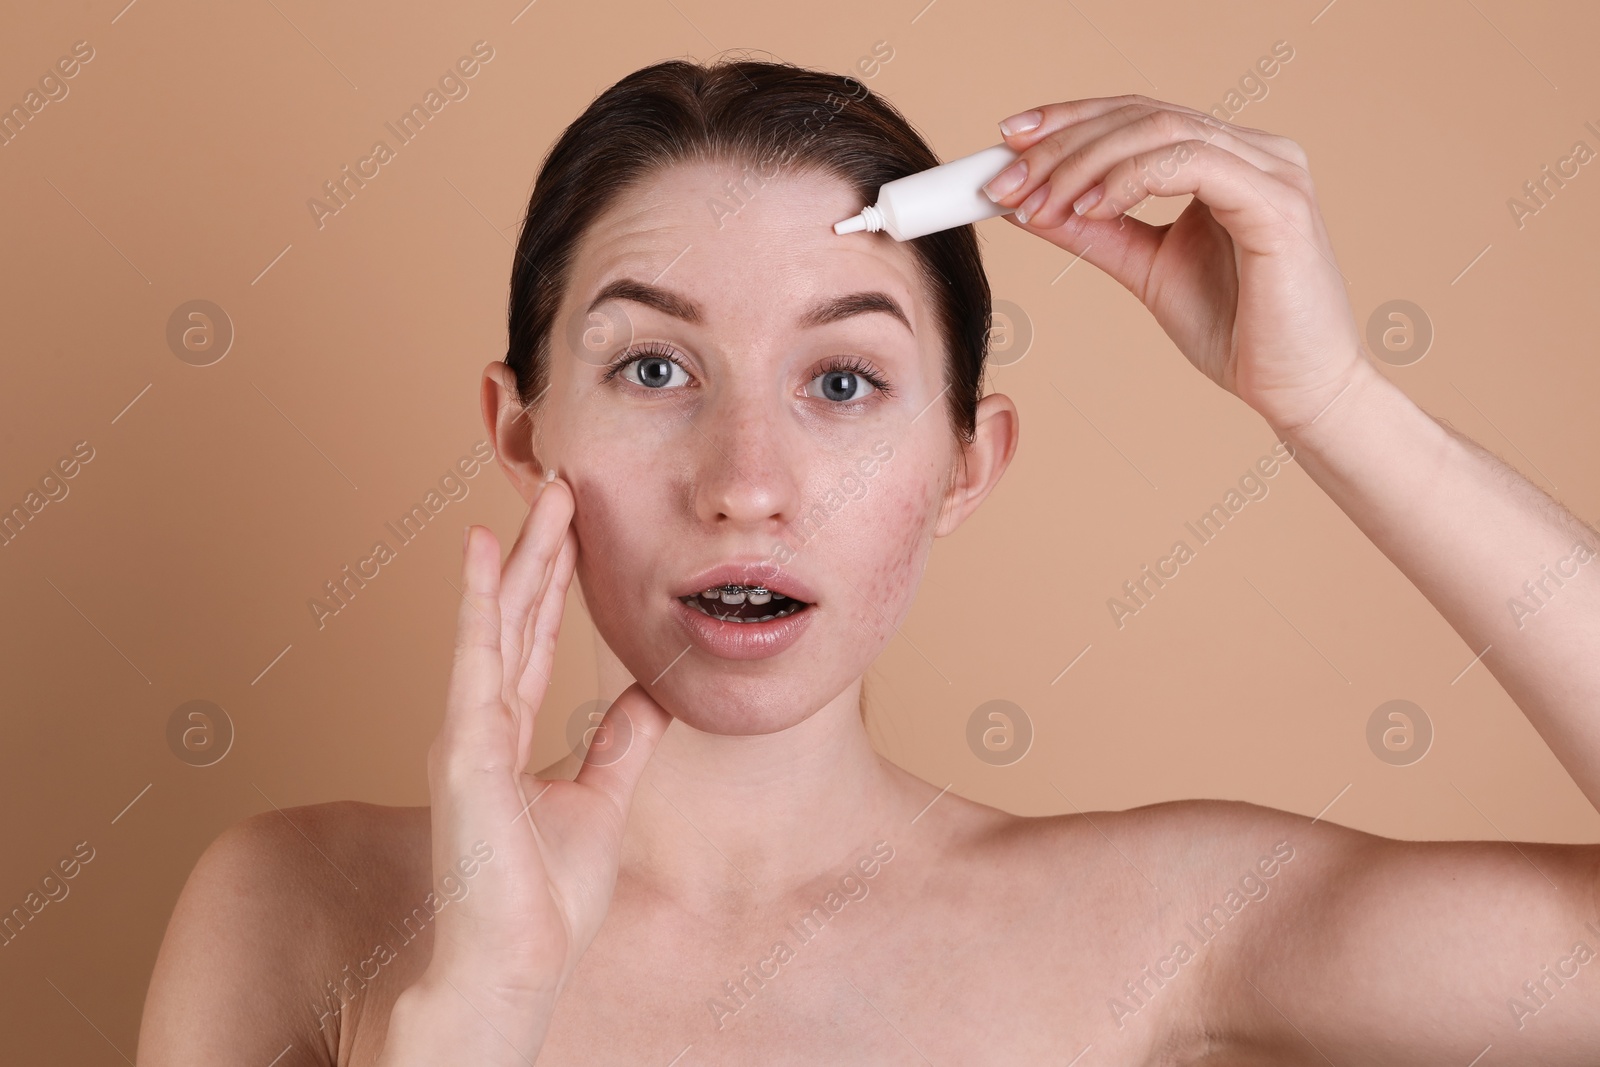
(601, 525)
(613, 464)
(895, 536)
(613, 520)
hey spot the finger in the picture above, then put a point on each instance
(526, 573)
(1063, 167)
(1122, 247)
(627, 737)
(545, 625)
(524, 583)
(527, 566)
(468, 762)
(534, 681)
(475, 725)
(1057, 117)
(1262, 214)
(528, 613)
(1153, 126)
(1053, 117)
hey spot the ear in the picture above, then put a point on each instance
(979, 466)
(510, 428)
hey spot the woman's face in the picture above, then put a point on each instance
(747, 432)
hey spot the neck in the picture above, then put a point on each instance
(752, 818)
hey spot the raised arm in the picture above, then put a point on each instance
(1508, 567)
(1316, 944)
(1376, 951)
(1246, 284)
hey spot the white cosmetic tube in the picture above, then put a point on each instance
(936, 199)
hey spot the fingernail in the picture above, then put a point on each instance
(1007, 181)
(1089, 199)
(1033, 203)
(1021, 123)
(540, 486)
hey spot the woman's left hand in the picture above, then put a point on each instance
(1243, 281)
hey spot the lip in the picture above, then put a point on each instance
(741, 640)
(750, 572)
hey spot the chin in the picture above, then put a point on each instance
(734, 719)
(715, 703)
(726, 697)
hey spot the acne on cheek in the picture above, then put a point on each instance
(908, 513)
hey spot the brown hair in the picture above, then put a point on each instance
(767, 116)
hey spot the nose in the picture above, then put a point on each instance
(747, 467)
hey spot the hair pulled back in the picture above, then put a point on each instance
(772, 118)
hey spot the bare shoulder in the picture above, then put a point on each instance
(1178, 837)
(1194, 855)
(1259, 935)
(269, 915)
(1148, 907)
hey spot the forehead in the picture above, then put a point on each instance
(744, 247)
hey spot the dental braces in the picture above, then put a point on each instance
(746, 588)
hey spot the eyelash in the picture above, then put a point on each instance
(837, 365)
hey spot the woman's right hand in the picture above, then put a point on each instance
(503, 952)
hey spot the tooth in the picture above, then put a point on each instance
(712, 594)
(760, 598)
(730, 596)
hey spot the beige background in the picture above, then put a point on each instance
(180, 565)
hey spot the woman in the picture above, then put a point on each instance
(699, 371)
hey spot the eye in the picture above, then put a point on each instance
(649, 367)
(847, 381)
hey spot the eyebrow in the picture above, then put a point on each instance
(832, 309)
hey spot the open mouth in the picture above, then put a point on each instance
(743, 603)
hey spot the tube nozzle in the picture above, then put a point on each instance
(854, 224)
